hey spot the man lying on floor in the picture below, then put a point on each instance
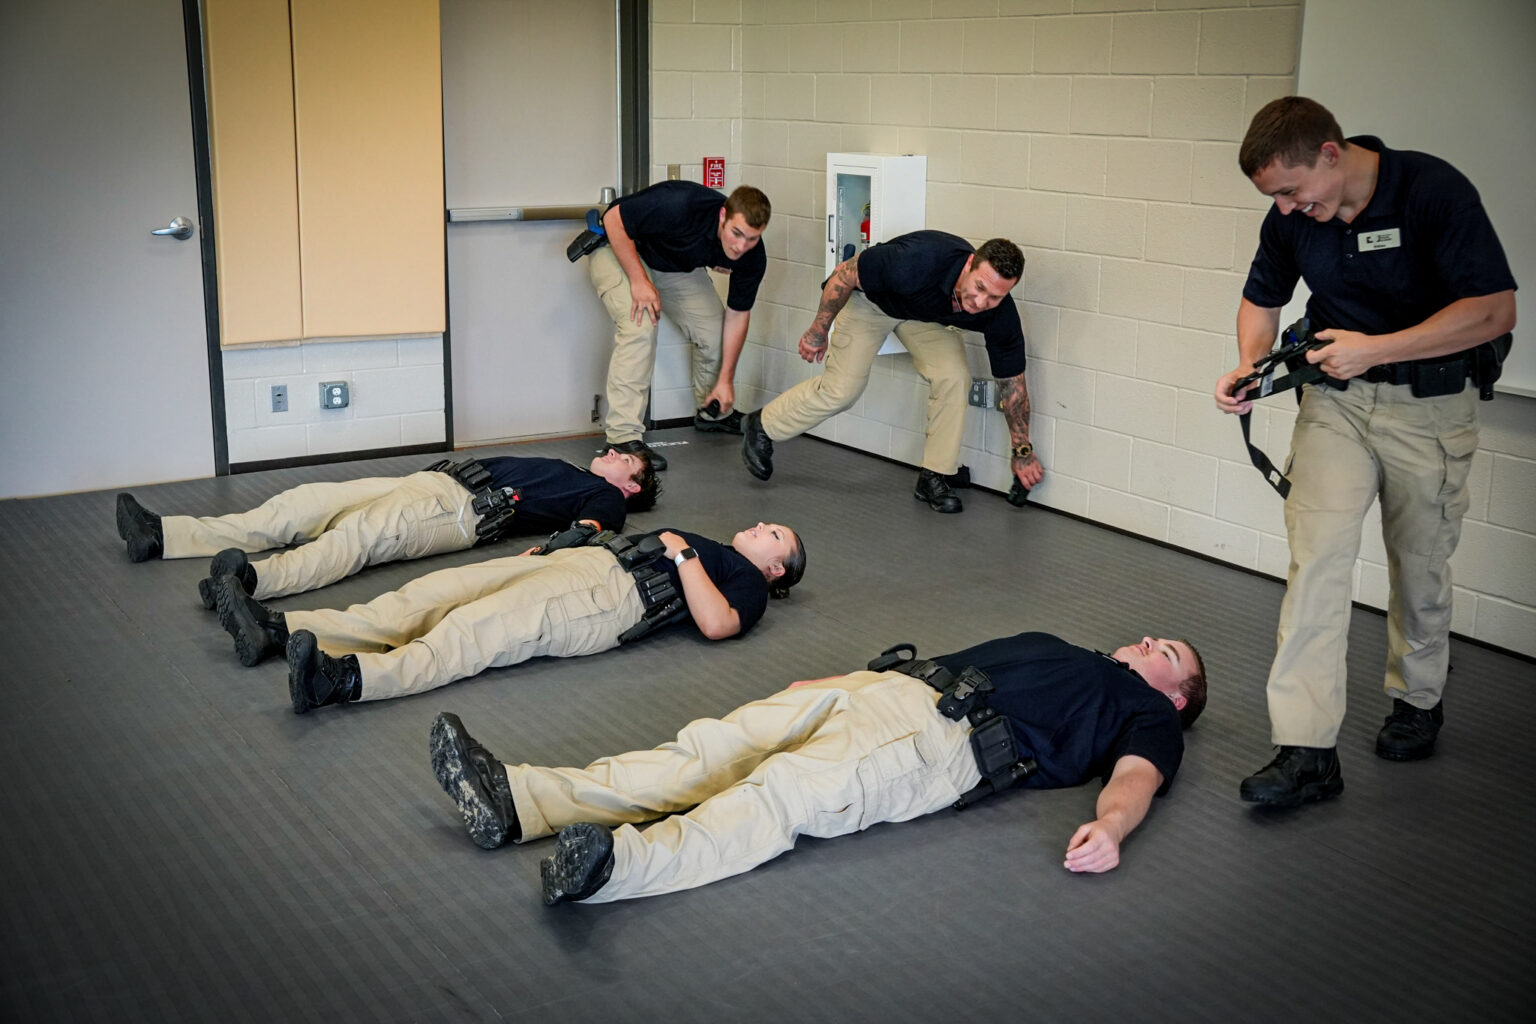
(837, 755)
(342, 527)
(580, 593)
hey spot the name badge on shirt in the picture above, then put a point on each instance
(1373, 240)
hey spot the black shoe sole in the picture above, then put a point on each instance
(716, 426)
(449, 748)
(300, 653)
(205, 592)
(1305, 795)
(946, 511)
(580, 866)
(251, 643)
(1388, 754)
(124, 514)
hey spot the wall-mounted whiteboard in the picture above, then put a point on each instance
(1456, 78)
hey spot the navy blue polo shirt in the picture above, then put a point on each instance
(555, 493)
(1422, 242)
(743, 584)
(675, 226)
(913, 277)
(1076, 711)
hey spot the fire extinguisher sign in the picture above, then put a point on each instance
(714, 171)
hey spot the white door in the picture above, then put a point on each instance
(102, 331)
(530, 118)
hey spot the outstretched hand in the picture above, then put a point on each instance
(1093, 849)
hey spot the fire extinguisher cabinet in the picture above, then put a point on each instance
(872, 197)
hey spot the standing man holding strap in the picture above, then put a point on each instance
(1410, 288)
(661, 239)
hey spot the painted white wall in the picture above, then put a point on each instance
(1105, 143)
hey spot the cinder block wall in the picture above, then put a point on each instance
(396, 389)
(1101, 135)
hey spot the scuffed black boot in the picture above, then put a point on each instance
(229, 562)
(756, 446)
(932, 489)
(581, 864)
(1296, 776)
(1409, 733)
(316, 679)
(477, 781)
(258, 630)
(140, 528)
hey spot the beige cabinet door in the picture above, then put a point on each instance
(103, 341)
(530, 118)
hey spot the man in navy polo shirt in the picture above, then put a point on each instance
(661, 240)
(918, 285)
(1407, 279)
(831, 756)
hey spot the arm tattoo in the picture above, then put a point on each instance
(1014, 398)
(834, 296)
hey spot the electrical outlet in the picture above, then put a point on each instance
(334, 394)
(279, 397)
(981, 393)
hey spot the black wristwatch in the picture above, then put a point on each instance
(683, 556)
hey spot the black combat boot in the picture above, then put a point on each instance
(140, 528)
(229, 562)
(1409, 733)
(756, 446)
(258, 630)
(1296, 775)
(932, 488)
(582, 863)
(316, 679)
(477, 781)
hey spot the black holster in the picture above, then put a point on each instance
(664, 605)
(999, 759)
(496, 506)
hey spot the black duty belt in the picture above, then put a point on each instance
(496, 506)
(964, 694)
(664, 604)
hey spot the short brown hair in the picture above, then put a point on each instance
(752, 204)
(1005, 257)
(1193, 689)
(1291, 129)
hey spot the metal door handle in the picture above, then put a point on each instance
(179, 229)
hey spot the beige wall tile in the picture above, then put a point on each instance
(1133, 406)
(664, 11)
(1061, 164)
(1146, 291)
(1066, 392)
(843, 10)
(940, 145)
(1102, 105)
(765, 143)
(964, 210)
(1079, 45)
(717, 11)
(1042, 325)
(1066, 279)
(1246, 240)
(900, 99)
(842, 98)
(906, 9)
(1213, 538)
(1007, 7)
(995, 158)
(789, 191)
(1124, 511)
(1148, 169)
(804, 239)
(1109, 227)
(872, 46)
(1191, 236)
(1109, 6)
(815, 48)
(779, 12)
(1210, 300)
(935, 46)
(1254, 42)
(965, 8)
(1096, 342)
(752, 95)
(1198, 108)
(964, 101)
(1097, 456)
(872, 138)
(1261, 90)
(765, 48)
(789, 97)
(691, 48)
(1034, 103)
(716, 94)
(1000, 46)
(1218, 181)
(671, 94)
(1034, 220)
(809, 142)
(1180, 357)
(1155, 44)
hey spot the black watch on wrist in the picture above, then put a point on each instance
(683, 556)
